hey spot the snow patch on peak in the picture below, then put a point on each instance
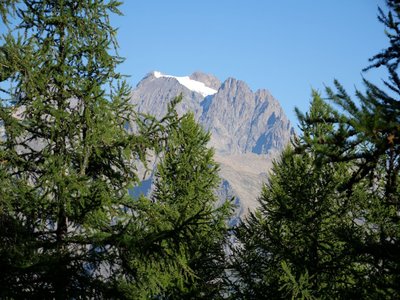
(193, 85)
(157, 74)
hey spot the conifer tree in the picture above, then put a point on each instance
(66, 158)
(288, 248)
(7, 7)
(367, 135)
(189, 223)
(337, 191)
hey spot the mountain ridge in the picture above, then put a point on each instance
(247, 128)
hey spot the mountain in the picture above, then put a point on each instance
(248, 129)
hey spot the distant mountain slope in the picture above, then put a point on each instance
(247, 128)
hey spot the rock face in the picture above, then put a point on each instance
(241, 121)
(208, 79)
(152, 95)
(248, 129)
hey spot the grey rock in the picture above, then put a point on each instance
(241, 121)
(248, 129)
(152, 95)
(208, 79)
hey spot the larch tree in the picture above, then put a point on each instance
(368, 135)
(191, 229)
(66, 158)
(288, 248)
(7, 7)
(328, 225)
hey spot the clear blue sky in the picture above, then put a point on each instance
(287, 47)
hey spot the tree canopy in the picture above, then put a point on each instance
(328, 225)
(68, 156)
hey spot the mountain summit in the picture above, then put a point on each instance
(247, 128)
(192, 84)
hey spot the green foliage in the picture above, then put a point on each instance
(69, 154)
(7, 7)
(300, 213)
(328, 225)
(371, 142)
(66, 159)
(298, 289)
(188, 229)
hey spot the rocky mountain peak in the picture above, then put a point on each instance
(247, 128)
(235, 85)
(208, 79)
